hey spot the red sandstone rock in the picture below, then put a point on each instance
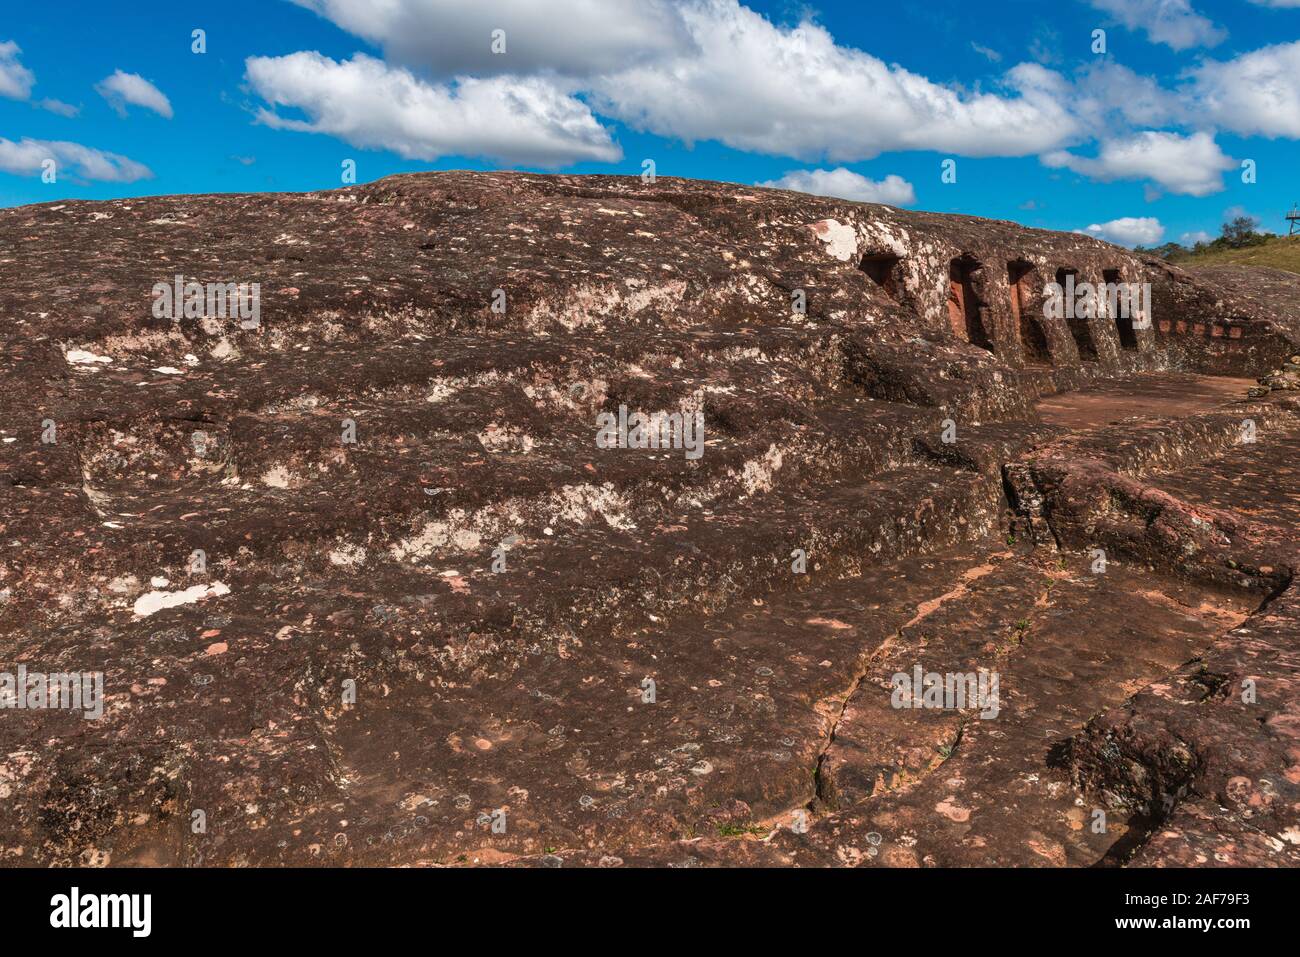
(452, 629)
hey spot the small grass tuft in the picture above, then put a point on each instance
(739, 830)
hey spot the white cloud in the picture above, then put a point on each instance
(717, 70)
(452, 37)
(1128, 231)
(795, 92)
(987, 52)
(695, 70)
(58, 106)
(845, 184)
(16, 82)
(25, 157)
(370, 104)
(1256, 93)
(1191, 239)
(15, 79)
(1171, 22)
(1190, 165)
(1107, 91)
(123, 88)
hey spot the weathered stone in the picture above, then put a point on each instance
(364, 589)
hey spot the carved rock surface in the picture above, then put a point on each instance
(362, 586)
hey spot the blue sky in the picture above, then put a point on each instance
(1142, 142)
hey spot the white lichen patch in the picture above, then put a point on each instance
(841, 240)
(442, 388)
(83, 357)
(502, 438)
(278, 477)
(155, 601)
(461, 532)
(586, 305)
(124, 585)
(224, 351)
(577, 503)
(581, 395)
(758, 475)
(441, 534)
(348, 555)
(664, 294)
(884, 237)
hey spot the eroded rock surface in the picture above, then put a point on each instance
(363, 588)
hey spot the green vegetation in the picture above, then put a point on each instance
(1022, 629)
(1240, 244)
(737, 830)
(1279, 252)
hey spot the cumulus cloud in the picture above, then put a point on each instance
(123, 88)
(366, 102)
(25, 158)
(1106, 92)
(452, 37)
(715, 69)
(794, 92)
(695, 70)
(1255, 93)
(1189, 165)
(1171, 22)
(15, 79)
(845, 184)
(1191, 239)
(1128, 231)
